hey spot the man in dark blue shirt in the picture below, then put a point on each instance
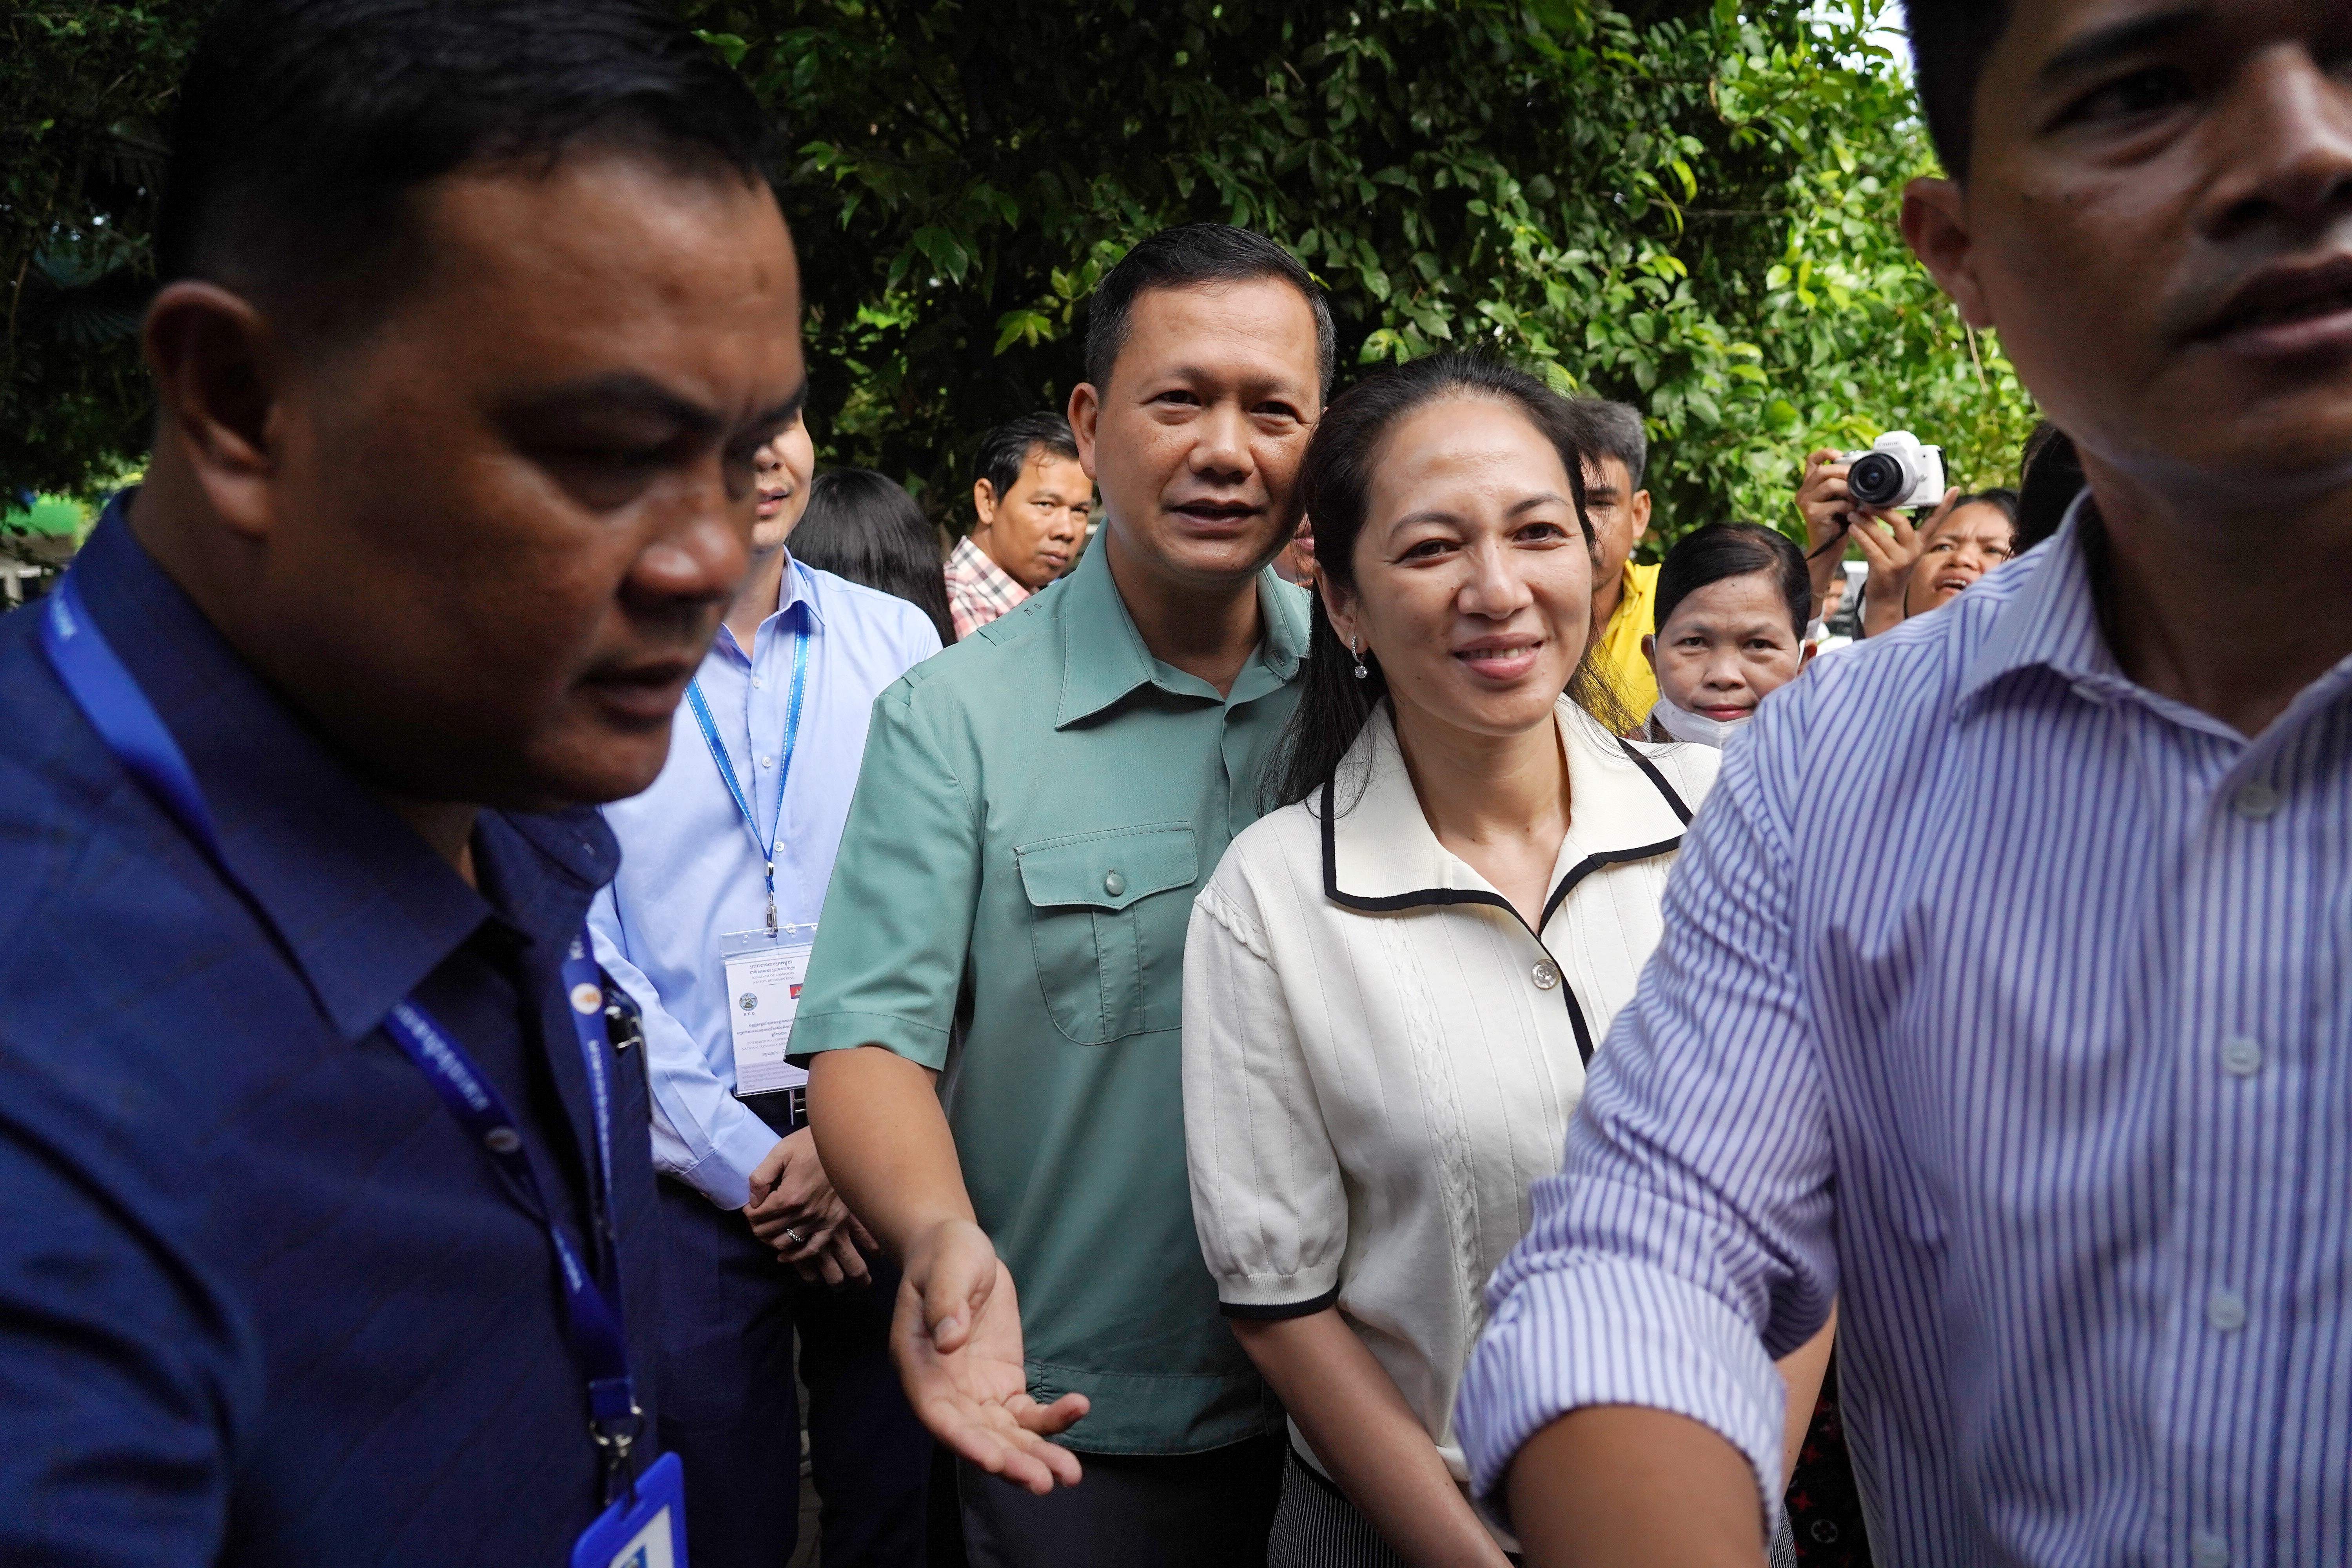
(471, 319)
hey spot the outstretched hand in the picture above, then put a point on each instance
(956, 1338)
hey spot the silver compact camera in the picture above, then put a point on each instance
(1896, 473)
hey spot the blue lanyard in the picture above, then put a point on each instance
(726, 764)
(107, 693)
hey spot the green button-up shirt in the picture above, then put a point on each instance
(1037, 806)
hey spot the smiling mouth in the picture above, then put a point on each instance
(1500, 660)
(2289, 309)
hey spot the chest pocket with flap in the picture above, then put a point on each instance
(1108, 912)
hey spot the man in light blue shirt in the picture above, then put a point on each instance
(744, 1189)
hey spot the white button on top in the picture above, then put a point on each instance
(2242, 1057)
(2226, 1309)
(2255, 801)
(2208, 1550)
(502, 1140)
(767, 762)
(757, 683)
(1114, 884)
(1546, 974)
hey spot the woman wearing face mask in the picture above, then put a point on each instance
(1393, 982)
(1731, 607)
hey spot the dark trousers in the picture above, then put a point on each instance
(1183, 1510)
(728, 1409)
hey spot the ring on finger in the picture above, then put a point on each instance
(797, 1237)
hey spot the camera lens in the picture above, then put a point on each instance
(1877, 478)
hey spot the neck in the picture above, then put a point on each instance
(762, 593)
(983, 539)
(1205, 629)
(2231, 609)
(447, 826)
(1606, 595)
(1483, 789)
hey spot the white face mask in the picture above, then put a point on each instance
(1697, 729)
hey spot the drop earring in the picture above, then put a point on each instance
(1360, 671)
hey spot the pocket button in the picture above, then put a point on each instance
(1114, 884)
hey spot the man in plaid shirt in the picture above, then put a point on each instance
(1033, 499)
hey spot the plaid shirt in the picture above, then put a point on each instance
(978, 590)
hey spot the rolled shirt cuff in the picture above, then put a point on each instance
(1610, 1332)
(1270, 1296)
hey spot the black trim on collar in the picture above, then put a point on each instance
(1424, 898)
(1274, 1311)
(1592, 863)
(1658, 779)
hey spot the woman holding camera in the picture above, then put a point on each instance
(1393, 982)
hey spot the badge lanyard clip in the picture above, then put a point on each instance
(766, 848)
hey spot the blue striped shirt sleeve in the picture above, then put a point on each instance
(1687, 1240)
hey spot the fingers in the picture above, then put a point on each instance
(770, 1170)
(863, 1237)
(842, 1250)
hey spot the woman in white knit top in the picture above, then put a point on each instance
(1393, 982)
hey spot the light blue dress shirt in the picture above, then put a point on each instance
(2055, 1098)
(689, 872)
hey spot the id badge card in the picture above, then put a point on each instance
(643, 1530)
(765, 973)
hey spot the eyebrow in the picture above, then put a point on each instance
(1439, 514)
(628, 392)
(2105, 45)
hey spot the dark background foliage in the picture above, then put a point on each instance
(1677, 202)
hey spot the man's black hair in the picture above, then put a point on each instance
(1010, 448)
(1189, 257)
(1950, 41)
(302, 124)
(1614, 430)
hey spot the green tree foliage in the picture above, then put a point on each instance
(83, 91)
(1677, 202)
(1686, 206)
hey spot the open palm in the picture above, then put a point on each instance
(963, 1365)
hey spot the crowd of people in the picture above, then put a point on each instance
(1285, 1001)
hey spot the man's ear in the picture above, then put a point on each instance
(983, 501)
(1641, 509)
(1806, 657)
(217, 365)
(1935, 226)
(1086, 407)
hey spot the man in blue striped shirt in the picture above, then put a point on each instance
(2056, 1101)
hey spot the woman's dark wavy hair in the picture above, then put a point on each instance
(1334, 482)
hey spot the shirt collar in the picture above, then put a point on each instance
(1379, 854)
(2051, 621)
(969, 558)
(1104, 657)
(363, 907)
(799, 586)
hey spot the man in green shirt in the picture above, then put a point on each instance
(1037, 808)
